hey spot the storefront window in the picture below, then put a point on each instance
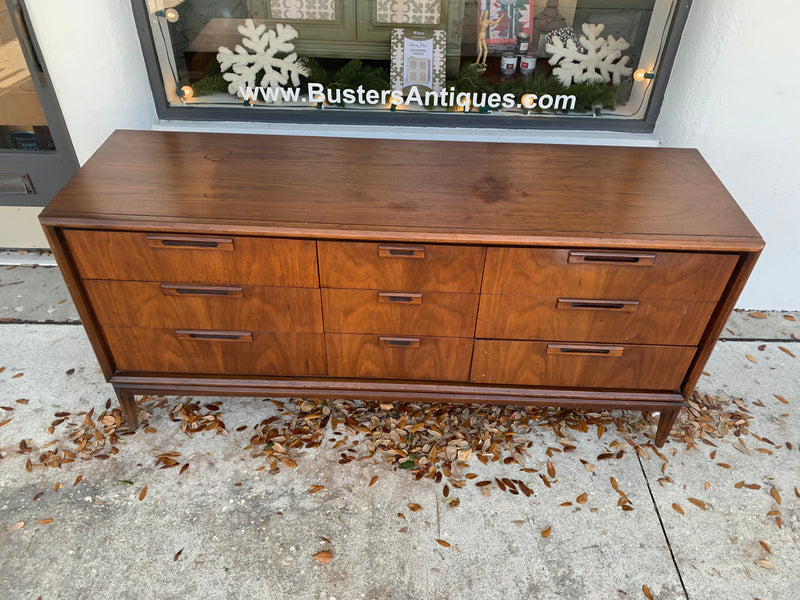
(486, 60)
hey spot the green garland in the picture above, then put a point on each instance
(469, 80)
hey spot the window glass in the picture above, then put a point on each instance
(523, 59)
(23, 125)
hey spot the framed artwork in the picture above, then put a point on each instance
(418, 59)
(506, 18)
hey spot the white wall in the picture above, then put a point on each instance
(92, 52)
(735, 95)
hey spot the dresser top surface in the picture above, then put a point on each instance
(403, 189)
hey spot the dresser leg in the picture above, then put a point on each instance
(127, 401)
(665, 423)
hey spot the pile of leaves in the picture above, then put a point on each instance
(439, 441)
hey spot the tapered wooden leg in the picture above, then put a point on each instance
(127, 402)
(665, 423)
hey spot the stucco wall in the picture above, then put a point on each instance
(735, 95)
(95, 61)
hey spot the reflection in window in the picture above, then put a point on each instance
(522, 58)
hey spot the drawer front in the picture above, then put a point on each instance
(580, 365)
(607, 274)
(398, 357)
(189, 306)
(216, 352)
(670, 322)
(207, 259)
(418, 313)
(412, 267)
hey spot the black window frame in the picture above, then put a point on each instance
(477, 122)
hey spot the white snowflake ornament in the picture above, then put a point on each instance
(266, 44)
(592, 59)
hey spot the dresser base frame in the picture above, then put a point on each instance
(668, 404)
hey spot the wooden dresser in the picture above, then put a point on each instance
(596, 277)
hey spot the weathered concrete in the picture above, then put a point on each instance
(35, 294)
(257, 539)
(716, 549)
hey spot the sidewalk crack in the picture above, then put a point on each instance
(663, 529)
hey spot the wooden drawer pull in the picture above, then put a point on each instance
(224, 336)
(617, 305)
(400, 297)
(193, 242)
(399, 342)
(174, 289)
(577, 349)
(612, 258)
(386, 251)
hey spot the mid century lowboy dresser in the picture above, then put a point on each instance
(401, 270)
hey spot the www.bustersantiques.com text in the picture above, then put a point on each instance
(449, 98)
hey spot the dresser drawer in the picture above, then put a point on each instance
(190, 306)
(580, 365)
(216, 352)
(398, 357)
(418, 313)
(208, 259)
(647, 321)
(411, 267)
(607, 273)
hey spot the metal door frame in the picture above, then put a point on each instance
(48, 170)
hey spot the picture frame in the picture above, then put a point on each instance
(418, 59)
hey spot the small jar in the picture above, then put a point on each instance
(523, 43)
(508, 63)
(527, 64)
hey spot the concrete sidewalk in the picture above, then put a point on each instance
(243, 533)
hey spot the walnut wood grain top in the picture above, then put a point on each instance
(404, 190)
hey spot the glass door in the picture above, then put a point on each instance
(36, 155)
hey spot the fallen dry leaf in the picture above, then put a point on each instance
(757, 315)
(443, 543)
(17, 375)
(143, 493)
(774, 493)
(551, 470)
(316, 488)
(698, 503)
(546, 532)
(414, 507)
(57, 486)
(372, 481)
(582, 499)
(44, 521)
(16, 526)
(786, 350)
(647, 593)
(751, 359)
(77, 480)
(765, 547)
(765, 564)
(781, 398)
(177, 555)
(323, 557)
(289, 462)
(677, 508)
